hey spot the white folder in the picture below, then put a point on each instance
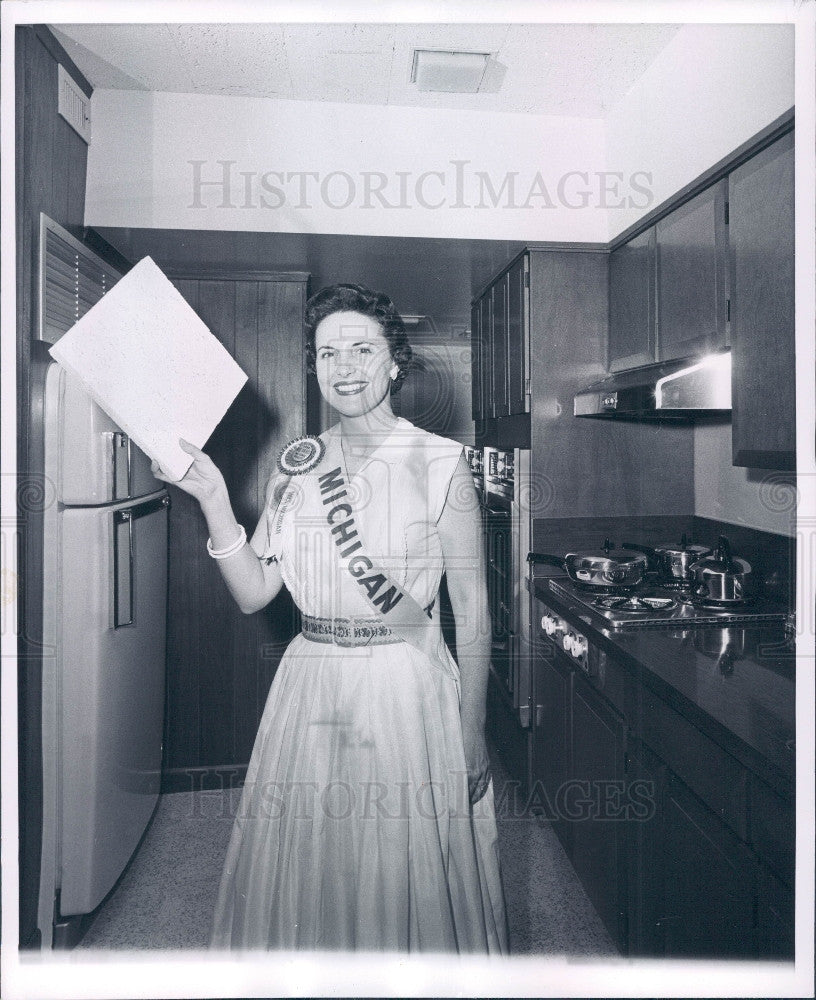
(151, 363)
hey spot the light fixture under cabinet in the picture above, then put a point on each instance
(448, 72)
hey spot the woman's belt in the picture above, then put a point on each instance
(348, 631)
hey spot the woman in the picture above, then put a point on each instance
(366, 820)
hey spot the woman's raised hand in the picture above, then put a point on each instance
(203, 480)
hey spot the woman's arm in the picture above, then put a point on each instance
(460, 531)
(251, 582)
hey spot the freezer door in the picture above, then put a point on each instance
(96, 462)
(112, 667)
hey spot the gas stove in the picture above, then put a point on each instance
(653, 604)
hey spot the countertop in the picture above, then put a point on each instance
(749, 710)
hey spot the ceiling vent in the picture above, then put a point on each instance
(74, 105)
(449, 72)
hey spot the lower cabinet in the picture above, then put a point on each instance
(552, 688)
(708, 881)
(667, 875)
(597, 805)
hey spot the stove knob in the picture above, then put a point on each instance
(579, 646)
(549, 624)
(568, 642)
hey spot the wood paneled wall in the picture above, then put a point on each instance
(220, 662)
(50, 166)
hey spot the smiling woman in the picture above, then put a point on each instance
(367, 817)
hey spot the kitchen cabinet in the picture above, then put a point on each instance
(476, 362)
(552, 690)
(708, 882)
(761, 261)
(718, 271)
(646, 781)
(632, 303)
(499, 347)
(500, 331)
(486, 354)
(691, 253)
(518, 336)
(597, 762)
(668, 285)
(683, 850)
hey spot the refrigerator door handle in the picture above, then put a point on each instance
(120, 465)
(123, 555)
(122, 568)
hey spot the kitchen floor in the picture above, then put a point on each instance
(166, 897)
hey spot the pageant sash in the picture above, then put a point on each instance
(387, 599)
(395, 606)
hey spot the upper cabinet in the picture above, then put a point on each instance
(498, 371)
(500, 332)
(632, 303)
(518, 327)
(761, 259)
(476, 361)
(691, 249)
(718, 271)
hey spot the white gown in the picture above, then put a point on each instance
(354, 829)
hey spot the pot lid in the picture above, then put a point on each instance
(721, 561)
(677, 548)
(608, 555)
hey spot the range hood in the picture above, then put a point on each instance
(669, 390)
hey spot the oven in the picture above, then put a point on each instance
(506, 519)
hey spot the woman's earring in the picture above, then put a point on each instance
(394, 372)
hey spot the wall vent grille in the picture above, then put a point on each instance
(72, 280)
(73, 105)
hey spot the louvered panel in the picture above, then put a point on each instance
(72, 280)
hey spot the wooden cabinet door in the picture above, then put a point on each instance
(486, 353)
(691, 275)
(645, 782)
(476, 361)
(498, 375)
(599, 828)
(551, 732)
(632, 303)
(518, 337)
(761, 235)
(708, 885)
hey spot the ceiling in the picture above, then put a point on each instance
(578, 70)
(424, 276)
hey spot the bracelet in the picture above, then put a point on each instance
(230, 550)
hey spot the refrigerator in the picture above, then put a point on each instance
(104, 630)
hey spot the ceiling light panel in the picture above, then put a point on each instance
(448, 72)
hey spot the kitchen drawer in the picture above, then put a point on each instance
(713, 775)
(772, 829)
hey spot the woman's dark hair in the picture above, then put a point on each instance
(356, 298)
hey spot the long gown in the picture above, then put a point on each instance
(354, 829)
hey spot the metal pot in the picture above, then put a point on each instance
(602, 569)
(672, 560)
(721, 577)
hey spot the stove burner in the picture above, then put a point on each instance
(635, 603)
(710, 604)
